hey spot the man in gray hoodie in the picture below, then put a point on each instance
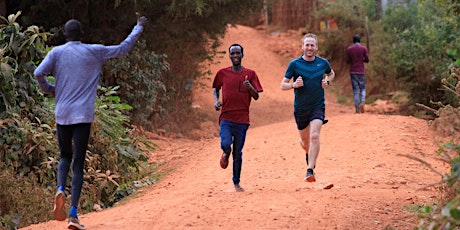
(76, 68)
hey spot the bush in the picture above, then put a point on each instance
(24, 202)
(424, 33)
(446, 214)
(140, 76)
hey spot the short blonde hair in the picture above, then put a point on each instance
(310, 35)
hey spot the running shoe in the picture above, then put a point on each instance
(310, 177)
(74, 224)
(58, 211)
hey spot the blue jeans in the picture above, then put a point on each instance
(233, 133)
(358, 82)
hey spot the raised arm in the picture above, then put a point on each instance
(126, 45)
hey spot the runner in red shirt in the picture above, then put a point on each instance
(239, 85)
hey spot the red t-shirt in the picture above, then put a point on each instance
(236, 99)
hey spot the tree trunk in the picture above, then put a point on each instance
(312, 7)
(265, 13)
(378, 9)
(3, 8)
(368, 40)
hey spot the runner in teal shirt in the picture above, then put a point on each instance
(310, 74)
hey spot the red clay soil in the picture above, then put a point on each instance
(362, 155)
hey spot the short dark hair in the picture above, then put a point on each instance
(356, 38)
(72, 29)
(235, 45)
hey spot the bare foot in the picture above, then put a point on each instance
(238, 188)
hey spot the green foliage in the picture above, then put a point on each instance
(24, 145)
(348, 14)
(114, 152)
(454, 6)
(140, 76)
(423, 35)
(24, 202)
(26, 133)
(446, 214)
(111, 124)
(26, 136)
(19, 51)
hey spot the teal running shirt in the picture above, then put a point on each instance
(311, 95)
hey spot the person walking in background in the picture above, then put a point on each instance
(310, 75)
(239, 85)
(76, 68)
(357, 55)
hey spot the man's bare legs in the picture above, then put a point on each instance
(309, 141)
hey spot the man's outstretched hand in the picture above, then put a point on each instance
(141, 20)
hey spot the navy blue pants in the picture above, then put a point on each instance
(79, 133)
(233, 133)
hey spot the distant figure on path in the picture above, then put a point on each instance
(76, 68)
(310, 75)
(239, 85)
(356, 56)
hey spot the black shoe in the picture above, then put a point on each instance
(310, 177)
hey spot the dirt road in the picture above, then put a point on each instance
(374, 186)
